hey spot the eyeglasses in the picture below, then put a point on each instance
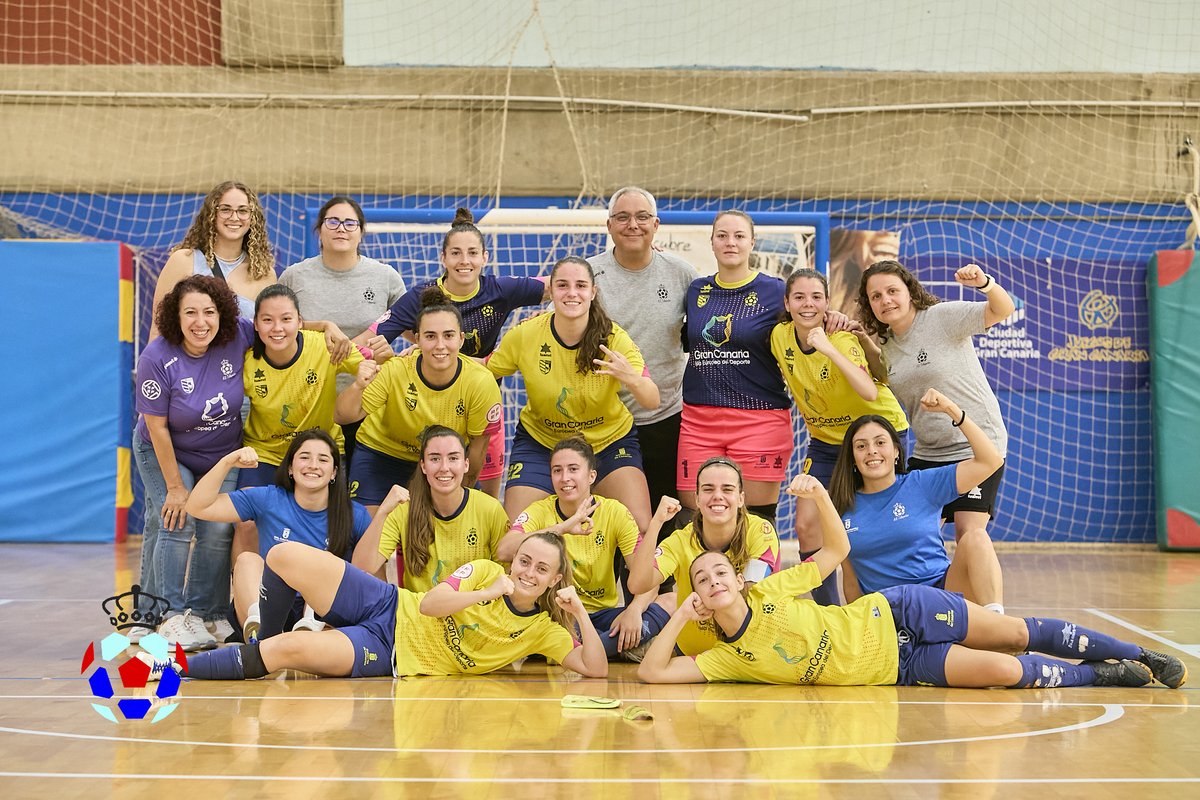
(349, 225)
(241, 212)
(624, 217)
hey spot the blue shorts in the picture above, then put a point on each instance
(820, 460)
(365, 610)
(529, 459)
(654, 619)
(928, 622)
(372, 474)
(262, 475)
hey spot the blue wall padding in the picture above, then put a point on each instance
(64, 390)
(1174, 289)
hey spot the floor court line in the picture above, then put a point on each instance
(1112, 713)
(1192, 650)
(891, 781)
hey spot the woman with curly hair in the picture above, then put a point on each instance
(188, 399)
(228, 240)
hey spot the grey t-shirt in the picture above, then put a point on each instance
(937, 352)
(352, 299)
(649, 304)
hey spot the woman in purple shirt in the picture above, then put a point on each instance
(189, 398)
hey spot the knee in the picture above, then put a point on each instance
(248, 560)
(977, 540)
(283, 554)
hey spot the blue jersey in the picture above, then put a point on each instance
(280, 519)
(728, 335)
(484, 312)
(895, 535)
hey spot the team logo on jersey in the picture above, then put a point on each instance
(461, 408)
(599, 539)
(188, 385)
(310, 378)
(151, 390)
(824, 374)
(902, 637)
(487, 310)
(410, 397)
(521, 519)
(702, 300)
(215, 408)
(369, 294)
(768, 608)
(922, 356)
(662, 293)
(560, 404)
(752, 299)
(719, 330)
(976, 493)
(463, 572)
(778, 648)
(494, 413)
(259, 375)
(226, 368)
(746, 654)
(369, 657)
(622, 453)
(472, 537)
(899, 511)
(947, 617)
(260, 390)
(287, 533)
(283, 416)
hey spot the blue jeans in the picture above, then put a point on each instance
(165, 554)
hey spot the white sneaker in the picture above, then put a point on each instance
(136, 633)
(309, 621)
(251, 624)
(156, 667)
(188, 632)
(220, 629)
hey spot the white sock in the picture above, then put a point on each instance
(995, 607)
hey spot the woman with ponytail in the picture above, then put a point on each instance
(436, 385)
(437, 524)
(484, 303)
(575, 360)
(497, 618)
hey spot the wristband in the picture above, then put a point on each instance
(988, 285)
(366, 353)
(961, 419)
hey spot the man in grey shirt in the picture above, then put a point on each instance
(644, 291)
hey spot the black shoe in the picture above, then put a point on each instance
(1168, 670)
(1121, 673)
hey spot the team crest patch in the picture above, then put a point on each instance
(719, 330)
(521, 519)
(188, 385)
(544, 366)
(151, 390)
(493, 414)
(410, 397)
(260, 390)
(463, 572)
(460, 409)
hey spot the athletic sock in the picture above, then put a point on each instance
(827, 593)
(1068, 640)
(1041, 672)
(996, 608)
(224, 664)
(275, 600)
(767, 512)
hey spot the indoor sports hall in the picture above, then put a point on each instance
(1056, 145)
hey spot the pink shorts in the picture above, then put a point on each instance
(759, 441)
(493, 460)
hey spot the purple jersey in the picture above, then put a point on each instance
(484, 312)
(728, 336)
(201, 397)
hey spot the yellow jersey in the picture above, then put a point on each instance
(592, 553)
(561, 402)
(788, 639)
(294, 397)
(472, 532)
(479, 639)
(675, 554)
(823, 396)
(400, 404)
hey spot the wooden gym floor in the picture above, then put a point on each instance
(506, 734)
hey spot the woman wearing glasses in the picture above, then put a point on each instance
(345, 287)
(228, 240)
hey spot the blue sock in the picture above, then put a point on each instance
(224, 664)
(275, 599)
(1040, 672)
(1068, 640)
(827, 593)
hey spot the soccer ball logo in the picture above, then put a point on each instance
(118, 681)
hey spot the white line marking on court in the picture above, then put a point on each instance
(1112, 713)
(1192, 650)
(571, 781)
(4, 602)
